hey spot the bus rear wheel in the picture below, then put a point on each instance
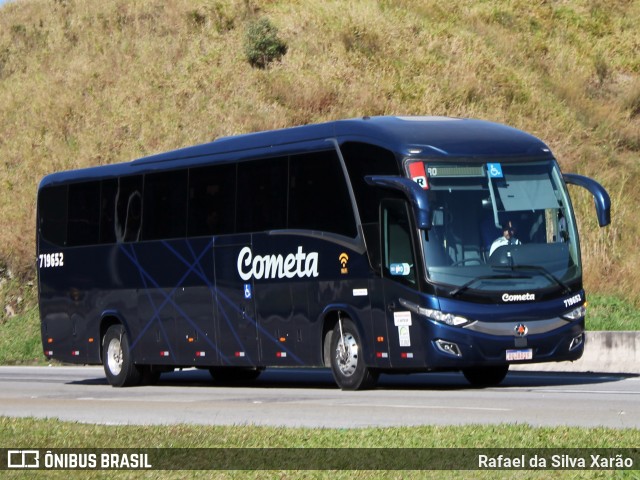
(485, 376)
(347, 360)
(116, 358)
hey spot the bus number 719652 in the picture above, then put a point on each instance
(48, 260)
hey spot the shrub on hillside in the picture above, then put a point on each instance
(262, 44)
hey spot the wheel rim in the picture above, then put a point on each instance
(347, 355)
(114, 356)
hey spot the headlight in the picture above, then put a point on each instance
(576, 313)
(446, 318)
(437, 315)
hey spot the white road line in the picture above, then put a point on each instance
(426, 407)
(599, 392)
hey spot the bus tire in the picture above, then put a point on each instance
(485, 376)
(347, 360)
(116, 359)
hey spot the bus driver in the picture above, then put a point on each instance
(508, 238)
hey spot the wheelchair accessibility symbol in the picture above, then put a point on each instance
(495, 170)
(247, 291)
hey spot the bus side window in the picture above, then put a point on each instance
(399, 261)
(165, 205)
(52, 212)
(362, 159)
(318, 195)
(108, 190)
(84, 214)
(261, 195)
(128, 211)
(212, 200)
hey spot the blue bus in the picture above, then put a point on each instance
(371, 245)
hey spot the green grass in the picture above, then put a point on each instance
(609, 312)
(20, 342)
(20, 330)
(32, 433)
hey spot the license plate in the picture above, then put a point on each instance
(515, 355)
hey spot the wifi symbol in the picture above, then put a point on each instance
(344, 258)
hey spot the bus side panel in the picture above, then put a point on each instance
(408, 335)
(56, 328)
(343, 286)
(381, 328)
(283, 323)
(194, 302)
(117, 289)
(58, 340)
(237, 329)
(152, 324)
(176, 324)
(282, 304)
(72, 293)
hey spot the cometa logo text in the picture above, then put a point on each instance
(297, 264)
(523, 297)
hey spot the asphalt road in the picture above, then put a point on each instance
(295, 398)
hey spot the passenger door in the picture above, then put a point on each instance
(400, 280)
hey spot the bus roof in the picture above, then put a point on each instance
(440, 137)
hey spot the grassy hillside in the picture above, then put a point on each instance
(86, 83)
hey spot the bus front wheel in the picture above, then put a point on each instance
(485, 376)
(347, 359)
(116, 358)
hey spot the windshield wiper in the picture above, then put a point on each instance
(545, 273)
(459, 290)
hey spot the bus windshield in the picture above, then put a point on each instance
(499, 226)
